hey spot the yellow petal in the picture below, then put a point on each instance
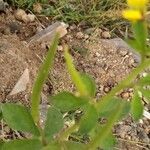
(132, 15)
(137, 4)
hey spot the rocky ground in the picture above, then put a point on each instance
(107, 60)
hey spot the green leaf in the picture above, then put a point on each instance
(66, 145)
(32, 144)
(54, 122)
(133, 44)
(136, 107)
(70, 145)
(107, 110)
(140, 32)
(66, 101)
(113, 104)
(90, 84)
(148, 51)
(125, 109)
(19, 118)
(41, 78)
(89, 119)
(1, 115)
(145, 93)
(109, 142)
(1, 144)
(75, 75)
(53, 146)
(144, 81)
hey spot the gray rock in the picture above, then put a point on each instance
(48, 33)
(3, 6)
(120, 44)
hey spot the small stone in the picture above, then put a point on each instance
(45, 88)
(47, 34)
(143, 137)
(131, 62)
(22, 16)
(39, 29)
(25, 19)
(73, 27)
(19, 13)
(122, 52)
(106, 35)
(68, 37)
(3, 6)
(21, 84)
(14, 27)
(123, 130)
(125, 95)
(106, 89)
(97, 54)
(43, 45)
(7, 31)
(31, 17)
(86, 36)
(89, 31)
(79, 35)
(6, 129)
(60, 48)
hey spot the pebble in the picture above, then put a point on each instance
(79, 35)
(19, 13)
(22, 16)
(14, 27)
(73, 27)
(60, 48)
(89, 31)
(31, 17)
(107, 89)
(97, 54)
(3, 6)
(86, 36)
(106, 35)
(122, 52)
(143, 137)
(7, 31)
(131, 62)
(45, 88)
(123, 130)
(125, 95)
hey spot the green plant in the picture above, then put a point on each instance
(54, 136)
(96, 13)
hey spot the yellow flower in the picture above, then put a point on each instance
(137, 4)
(132, 15)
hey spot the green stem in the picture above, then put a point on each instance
(75, 75)
(44, 141)
(41, 78)
(123, 84)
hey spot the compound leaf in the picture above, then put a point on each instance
(89, 119)
(32, 144)
(66, 101)
(136, 107)
(19, 118)
(54, 122)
